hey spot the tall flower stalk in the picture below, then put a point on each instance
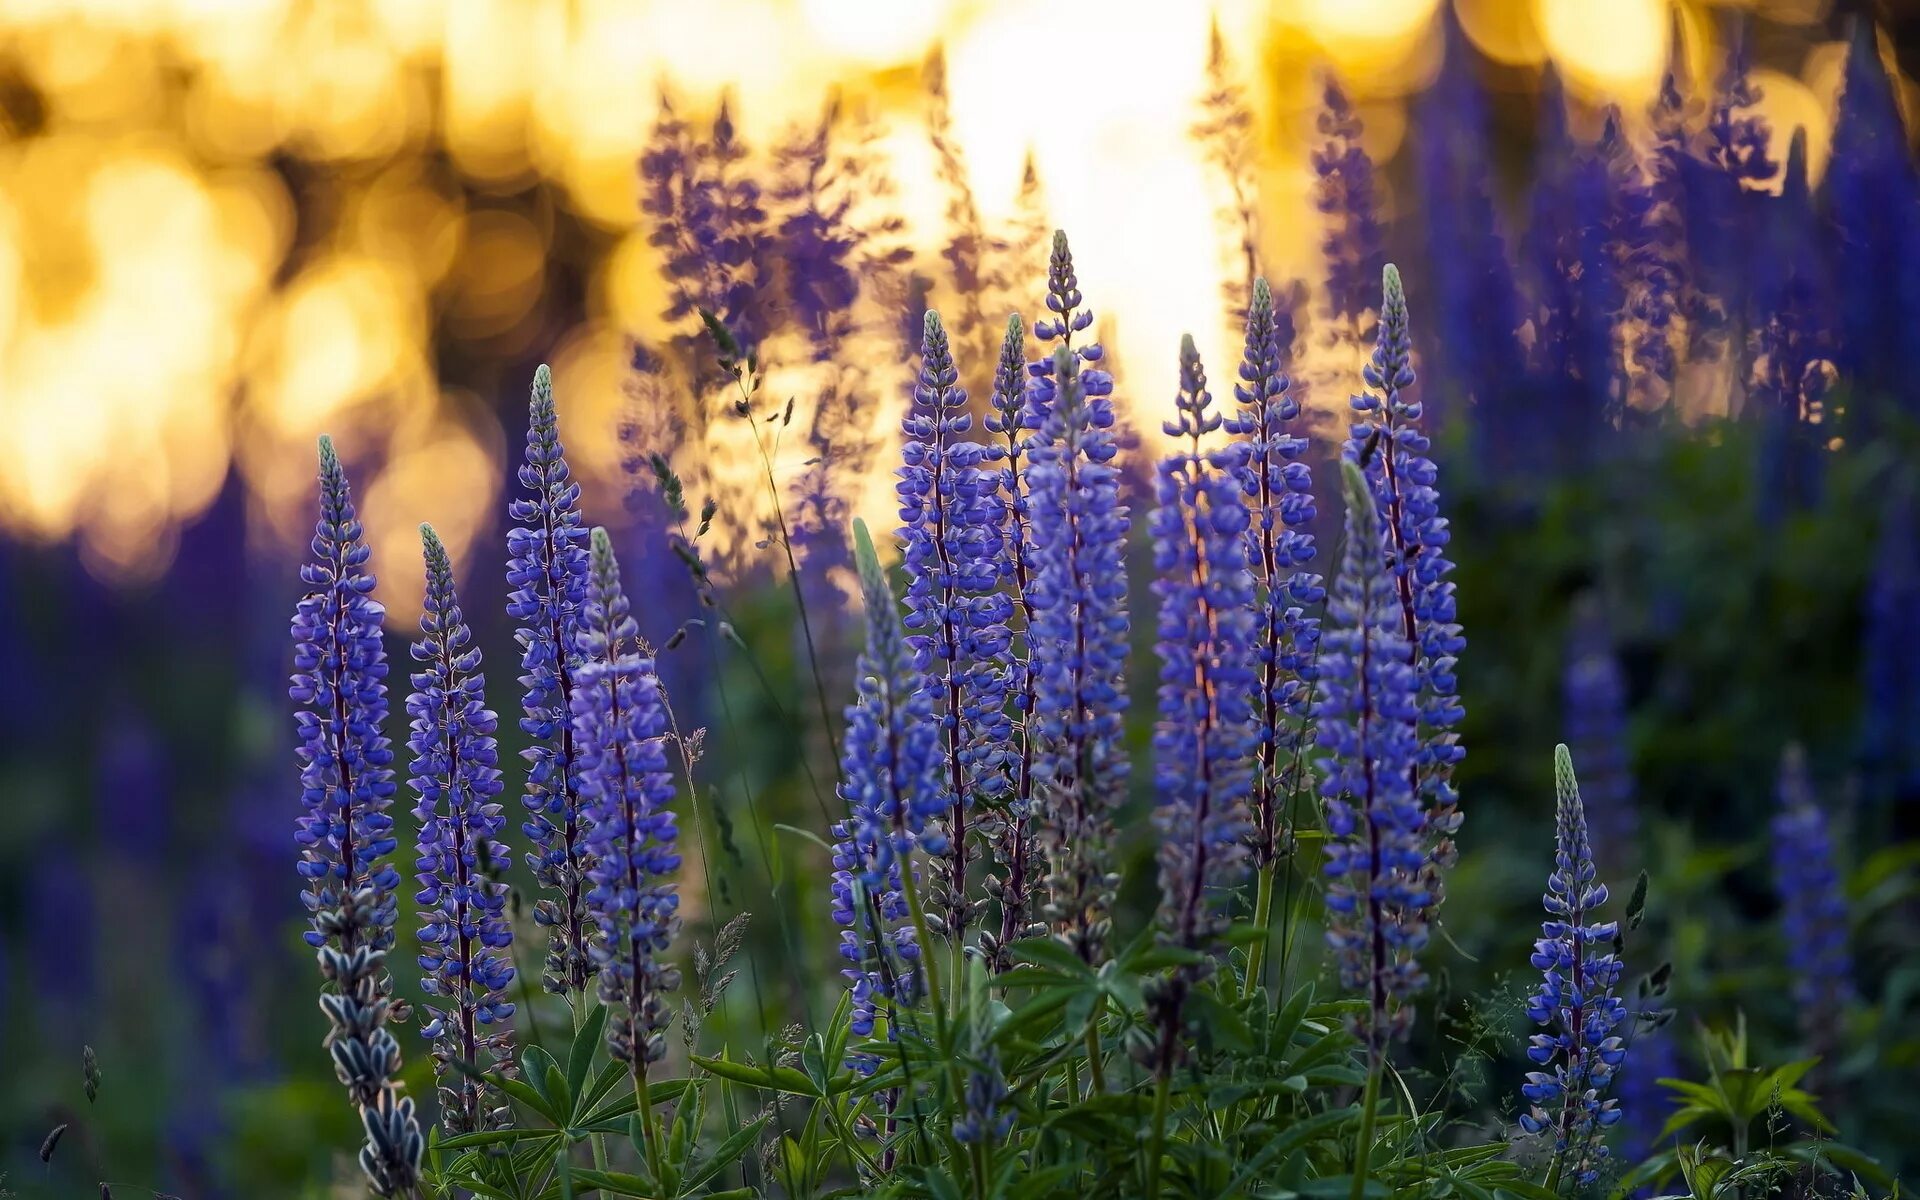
(1403, 481)
(1205, 737)
(1575, 1001)
(1014, 420)
(620, 728)
(547, 571)
(890, 780)
(1078, 649)
(1277, 484)
(345, 835)
(1813, 906)
(464, 928)
(956, 612)
(1379, 876)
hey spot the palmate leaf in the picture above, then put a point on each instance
(774, 1079)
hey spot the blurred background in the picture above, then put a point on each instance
(1662, 257)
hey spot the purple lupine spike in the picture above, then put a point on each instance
(956, 612)
(1651, 1057)
(1596, 723)
(345, 835)
(1205, 737)
(1650, 199)
(1474, 347)
(1813, 906)
(1873, 207)
(1069, 320)
(1011, 831)
(1576, 1000)
(547, 570)
(1379, 874)
(838, 240)
(620, 730)
(706, 219)
(1404, 483)
(890, 780)
(1344, 193)
(969, 268)
(1727, 208)
(1570, 245)
(1790, 367)
(466, 961)
(1204, 740)
(1078, 640)
(1890, 756)
(1226, 131)
(1278, 487)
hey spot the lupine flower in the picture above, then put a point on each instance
(547, 570)
(1651, 1057)
(1576, 1001)
(620, 727)
(1205, 738)
(1403, 482)
(1069, 319)
(1873, 200)
(1891, 653)
(1344, 193)
(346, 778)
(1577, 296)
(1022, 248)
(1225, 131)
(956, 612)
(1726, 204)
(1078, 642)
(464, 926)
(969, 269)
(1474, 298)
(890, 765)
(1650, 201)
(1814, 907)
(1379, 876)
(1278, 487)
(833, 248)
(706, 219)
(1595, 695)
(1010, 830)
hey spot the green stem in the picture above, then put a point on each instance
(647, 1132)
(1262, 919)
(1161, 1092)
(1096, 1078)
(1363, 1145)
(599, 1140)
(928, 959)
(979, 1152)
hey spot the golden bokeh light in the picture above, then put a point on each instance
(228, 225)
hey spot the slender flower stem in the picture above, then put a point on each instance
(1161, 1092)
(1262, 920)
(1363, 1144)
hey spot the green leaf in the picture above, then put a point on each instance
(492, 1137)
(778, 1079)
(539, 1068)
(585, 1043)
(1046, 952)
(519, 1090)
(617, 1183)
(727, 1152)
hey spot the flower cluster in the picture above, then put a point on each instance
(620, 727)
(956, 611)
(1078, 645)
(1379, 877)
(1344, 194)
(346, 780)
(1278, 487)
(547, 572)
(1403, 482)
(1013, 420)
(1575, 1001)
(1204, 739)
(1596, 726)
(1814, 906)
(464, 931)
(890, 767)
